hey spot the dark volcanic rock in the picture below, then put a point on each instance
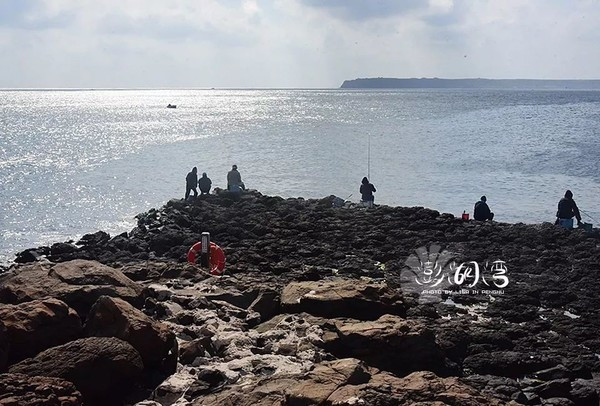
(103, 369)
(23, 390)
(547, 315)
(37, 325)
(506, 363)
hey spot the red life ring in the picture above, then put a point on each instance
(217, 257)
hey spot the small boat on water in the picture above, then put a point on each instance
(171, 106)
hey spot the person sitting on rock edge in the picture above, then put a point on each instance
(234, 180)
(204, 183)
(567, 209)
(366, 191)
(191, 180)
(482, 212)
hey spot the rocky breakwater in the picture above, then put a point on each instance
(318, 305)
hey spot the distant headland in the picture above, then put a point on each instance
(437, 83)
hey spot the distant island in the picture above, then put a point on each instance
(437, 83)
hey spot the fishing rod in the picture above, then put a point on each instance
(593, 219)
(369, 159)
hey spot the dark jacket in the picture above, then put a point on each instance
(191, 180)
(233, 178)
(481, 211)
(366, 190)
(567, 209)
(205, 183)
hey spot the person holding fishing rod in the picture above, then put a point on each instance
(366, 191)
(366, 188)
(567, 209)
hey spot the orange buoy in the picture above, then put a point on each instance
(217, 257)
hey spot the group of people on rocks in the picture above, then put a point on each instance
(234, 182)
(567, 208)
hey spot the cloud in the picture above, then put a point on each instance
(31, 15)
(291, 43)
(361, 10)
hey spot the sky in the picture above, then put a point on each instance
(291, 43)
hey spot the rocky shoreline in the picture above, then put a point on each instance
(318, 305)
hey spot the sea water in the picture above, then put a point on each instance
(76, 161)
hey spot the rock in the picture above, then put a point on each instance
(97, 238)
(503, 388)
(208, 381)
(511, 364)
(114, 317)
(239, 299)
(341, 298)
(324, 379)
(23, 390)
(60, 248)
(78, 283)
(557, 372)
(350, 382)
(34, 326)
(422, 388)
(30, 255)
(267, 304)
(103, 369)
(558, 402)
(200, 347)
(585, 392)
(389, 343)
(4, 347)
(558, 388)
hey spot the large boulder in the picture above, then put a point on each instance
(4, 347)
(114, 317)
(34, 326)
(350, 382)
(423, 388)
(358, 299)
(104, 369)
(390, 343)
(79, 283)
(324, 379)
(23, 390)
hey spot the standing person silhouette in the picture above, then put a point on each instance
(191, 180)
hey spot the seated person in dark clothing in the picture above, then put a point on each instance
(567, 209)
(482, 211)
(366, 191)
(204, 183)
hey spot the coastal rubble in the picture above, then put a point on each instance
(314, 308)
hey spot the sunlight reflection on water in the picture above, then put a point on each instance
(73, 162)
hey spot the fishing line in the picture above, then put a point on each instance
(596, 221)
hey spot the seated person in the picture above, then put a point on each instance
(234, 180)
(366, 191)
(567, 209)
(204, 183)
(482, 211)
